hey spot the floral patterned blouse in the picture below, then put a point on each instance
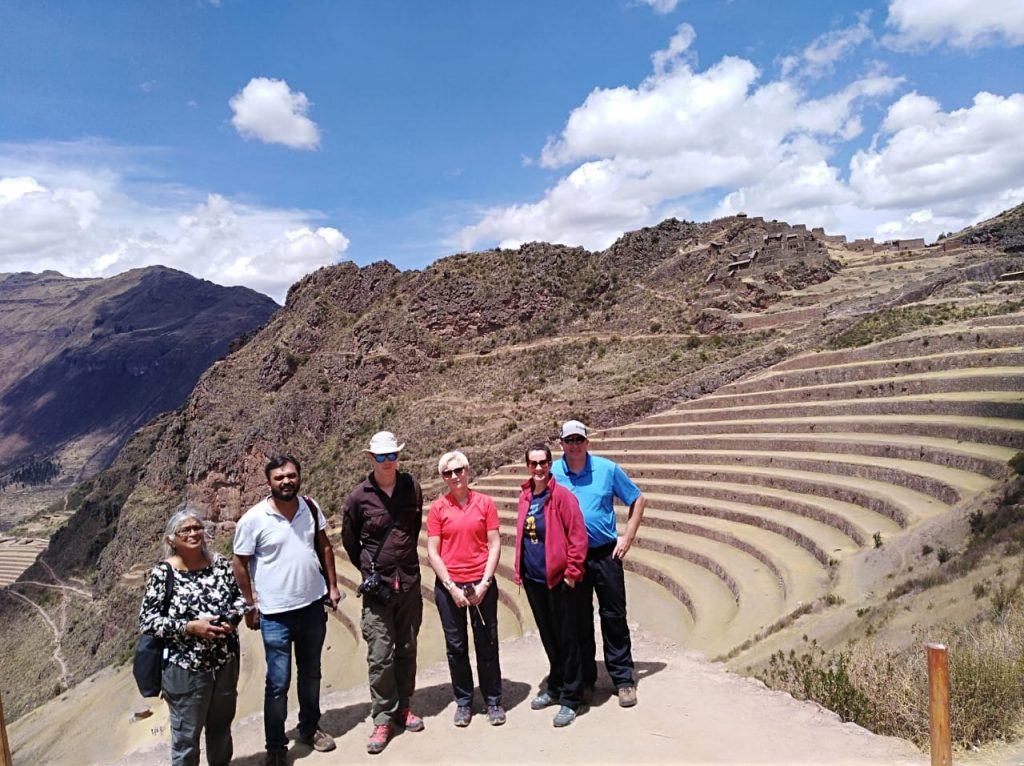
(203, 592)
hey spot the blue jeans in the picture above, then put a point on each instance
(304, 629)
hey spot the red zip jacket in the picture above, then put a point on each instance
(565, 533)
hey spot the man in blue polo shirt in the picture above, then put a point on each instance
(596, 482)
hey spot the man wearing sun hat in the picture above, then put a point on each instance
(380, 529)
(596, 482)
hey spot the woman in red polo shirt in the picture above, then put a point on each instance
(463, 545)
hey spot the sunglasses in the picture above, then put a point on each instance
(574, 439)
(390, 456)
(453, 472)
(538, 463)
(190, 531)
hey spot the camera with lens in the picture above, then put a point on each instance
(231, 617)
(468, 590)
(375, 588)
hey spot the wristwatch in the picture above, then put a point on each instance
(449, 584)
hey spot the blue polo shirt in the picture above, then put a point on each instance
(595, 486)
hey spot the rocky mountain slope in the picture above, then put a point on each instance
(483, 351)
(85, 362)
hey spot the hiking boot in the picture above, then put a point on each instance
(408, 720)
(542, 701)
(276, 758)
(321, 741)
(379, 739)
(463, 715)
(495, 715)
(565, 716)
(627, 696)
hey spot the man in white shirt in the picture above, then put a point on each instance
(279, 545)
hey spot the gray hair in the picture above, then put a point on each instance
(174, 523)
(456, 457)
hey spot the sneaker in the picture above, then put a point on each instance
(379, 739)
(463, 715)
(495, 715)
(565, 716)
(408, 720)
(321, 741)
(276, 758)
(627, 696)
(542, 701)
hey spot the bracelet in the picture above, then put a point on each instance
(486, 582)
(449, 584)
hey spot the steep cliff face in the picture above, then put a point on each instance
(84, 362)
(481, 351)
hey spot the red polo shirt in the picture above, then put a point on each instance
(463, 532)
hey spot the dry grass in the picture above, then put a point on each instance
(886, 689)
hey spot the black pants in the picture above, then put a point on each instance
(555, 612)
(604, 576)
(485, 640)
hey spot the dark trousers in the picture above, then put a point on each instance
(198, 702)
(391, 631)
(605, 577)
(555, 612)
(485, 640)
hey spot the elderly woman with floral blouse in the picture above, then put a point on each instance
(200, 672)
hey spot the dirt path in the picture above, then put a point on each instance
(690, 712)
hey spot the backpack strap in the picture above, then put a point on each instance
(314, 509)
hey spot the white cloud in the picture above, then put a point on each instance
(961, 23)
(677, 46)
(929, 156)
(61, 210)
(822, 54)
(270, 111)
(661, 6)
(639, 153)
(719, 140)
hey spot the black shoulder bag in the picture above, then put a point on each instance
(148, 664)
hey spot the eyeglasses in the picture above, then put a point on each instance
(538, 463)
(453, 472)
(190, 531)
(391, 456)
(574, 439)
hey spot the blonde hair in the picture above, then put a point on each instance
(459, 458)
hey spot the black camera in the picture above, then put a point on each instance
(468, 590)
(227, 618)
(375, 588)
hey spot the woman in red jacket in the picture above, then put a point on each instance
(551, 545)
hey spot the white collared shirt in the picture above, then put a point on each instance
(285, 568)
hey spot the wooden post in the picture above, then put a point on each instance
(938, 705)
(5, 746)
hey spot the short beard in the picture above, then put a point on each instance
(286, 496)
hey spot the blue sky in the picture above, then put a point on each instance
(252, 142)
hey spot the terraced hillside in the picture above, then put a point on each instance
(771, 493)
(17, 555)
